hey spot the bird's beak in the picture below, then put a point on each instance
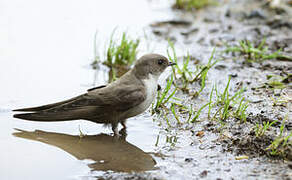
(171, 63)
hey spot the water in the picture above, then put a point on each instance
(45, 50)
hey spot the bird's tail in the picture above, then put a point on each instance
(48, 106)
(44, 116)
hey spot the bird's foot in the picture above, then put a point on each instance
(123, 133)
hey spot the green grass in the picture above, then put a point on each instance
(279, 145)
(172, 108)
(184, 71)
(225, 102)
(184, 74)
(240, 113)
(120, 54)
(192, 4)
(163, 97)
(210, 102)
(253, 52)
(260, 129)
(123, 53)
(280, 101)
(180, 73)
(204, 71)
(277, 81)
(197, 114)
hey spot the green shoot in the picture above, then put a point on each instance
(174, 113)
(191, 111)
(210, 102)
(224, 101)
(161, 97)
(260, 130)
(241, 110)
(204, 71)
(254, 53)
(184, 74)
(192, 4)
(122, 54)
(198, 113)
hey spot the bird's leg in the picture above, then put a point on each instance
(123, 131)
(115, 129)
(123, 122)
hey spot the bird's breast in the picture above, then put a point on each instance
(150, 90)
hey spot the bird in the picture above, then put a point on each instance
(110, 104)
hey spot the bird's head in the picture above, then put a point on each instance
(151, 64)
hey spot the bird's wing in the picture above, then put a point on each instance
(120, 98)
(94, 104)
(129, 98)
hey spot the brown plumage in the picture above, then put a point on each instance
(128, 96)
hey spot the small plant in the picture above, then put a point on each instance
(184, 72)
(185, 75)
(118, 56)
(280, 143)
(240, 113)
(210, 102)
(122, 54)
(204, 71)
(191, 4)
(224, 101)
(254, 53)
(198, 113)
(261, 129)
(162, 98)
(276, 82)
(174, 113)
(281, 101)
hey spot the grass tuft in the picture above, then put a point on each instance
(260, 129)
(123, 53)
(253, 52)
(184, 75)
(225, 103)
(162, 98)
(192, 4)
(240, 113)
(280, 144)
(119, 55)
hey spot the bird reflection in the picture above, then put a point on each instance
(108, 152)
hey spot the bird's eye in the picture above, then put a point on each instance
(160, 61)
